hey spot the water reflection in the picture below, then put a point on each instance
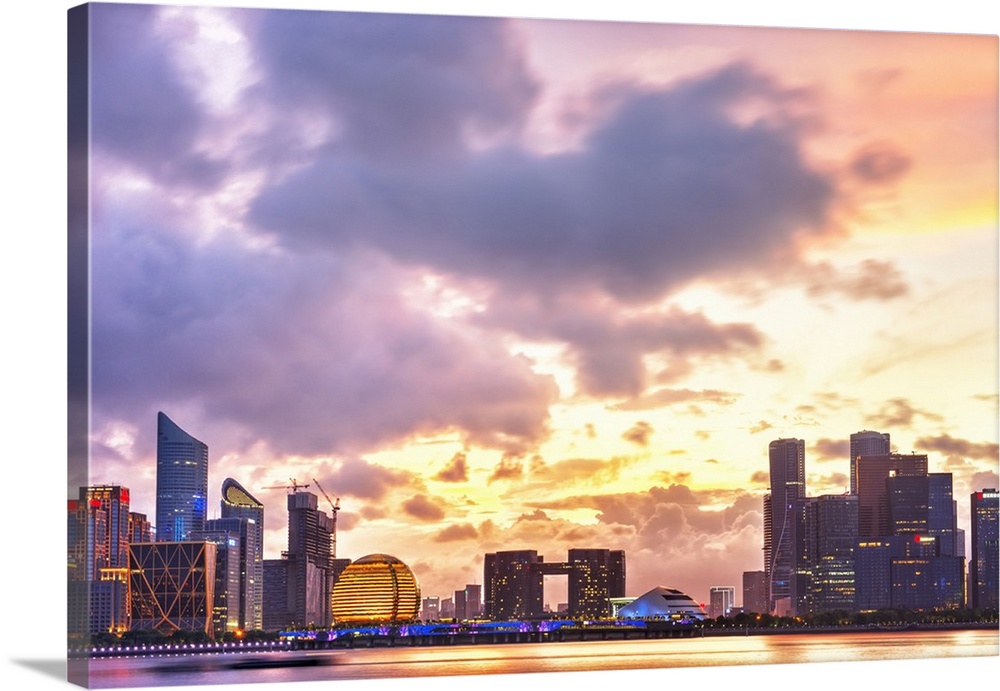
(399, 662)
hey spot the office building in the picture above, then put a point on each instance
(139, 528)
(172, 586)
(97, 560)
(513, 585)
(873, 497)
(755, 592)
(784, 555)
(721, 601)
(181, 482)
(866, 443)
(833, 527)
(984, 565)
(306, 569)
(238, 503)
(430, 609)
(595, 575)
(228, 600)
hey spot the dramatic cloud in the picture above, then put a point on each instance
(423, 508)
(457, 532)
(899, 412)
(509, 468)
(634, 211)
(950, 446)
(871, 280)
(832, 448)
(456, 471)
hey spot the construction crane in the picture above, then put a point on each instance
(335, 505)
(295, 486)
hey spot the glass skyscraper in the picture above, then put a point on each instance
(238, 503)
(181, 482)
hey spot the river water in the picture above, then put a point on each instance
(408, 663)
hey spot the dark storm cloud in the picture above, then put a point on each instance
(951, 446)
(397, 86)
(667, 189)
(141, 110)
(312, 355)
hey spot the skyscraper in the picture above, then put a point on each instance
(721, 600)
(298, 586)
(181, 482)
(866, 443)
(237, 502)
(873, 497)
(833, 521)
(984, 566)
(755, 592)
(782, 525)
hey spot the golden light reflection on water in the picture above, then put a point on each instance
(445, 660)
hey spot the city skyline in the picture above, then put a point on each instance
(487, 308)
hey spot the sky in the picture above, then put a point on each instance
(34, 299)
(538, 284)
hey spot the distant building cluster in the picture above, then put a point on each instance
(892, 541)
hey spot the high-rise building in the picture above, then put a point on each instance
(98, 541)
(833, 528)
(873, 497)
(783, 530)
(172, 586)
(239, 550)
(984, 565)
(139, 528)
(430, 609)
(304, 599)
(595, 575)
(513, 584)
(229, 598)
(238, 503)
(181, 482)
(866, 443)
(721, 600)
(755, 592)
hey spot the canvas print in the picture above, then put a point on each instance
(409, 346)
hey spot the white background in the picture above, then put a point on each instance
(32, 339)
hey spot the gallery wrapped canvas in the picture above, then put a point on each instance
(415, 345)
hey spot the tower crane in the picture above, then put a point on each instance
(295, 486)
(335, 505)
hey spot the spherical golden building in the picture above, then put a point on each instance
(376, 588)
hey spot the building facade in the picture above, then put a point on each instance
(984, 564)
(238, 503)
(873, 497)
(172, 586)
(721, 600)
(783, 527)
(866, 443)
(181, 482)
(755, 592)
(833, 524)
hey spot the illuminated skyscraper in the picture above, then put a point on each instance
(984, 566)
(783, 531)
(755, 592)
(721, 600)
(237, 502)
(181, 482)
(833, 528)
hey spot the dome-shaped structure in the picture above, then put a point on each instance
(663, 603)
(376, 588)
